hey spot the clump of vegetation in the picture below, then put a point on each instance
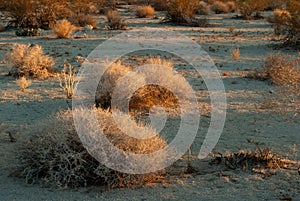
(219, 7)
(159, 5)
(284, 72)
(30, 61)
(181, 11)
(286, 22)
(202, 8)
(68, 79)
(63, 28)
(262, 160)
(147, 96)
(145, 12)
(251, 8)
(82, 20)
(23, 83)
(114, 20)
(53, 155)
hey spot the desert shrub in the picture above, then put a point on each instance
(63, 28)
(148, 95)
(251, 8)
(29, 60)
(273, 4)
(180, 11)
(114, 21)
(34, 14)
(219, 7)
(81, 20)
(202, 8)
(231, 6)
(286, 22)
(281, 69)
(145, 12)
(23, 83)
(159, 5)
(53, 155)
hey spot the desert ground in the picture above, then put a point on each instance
(247, 118)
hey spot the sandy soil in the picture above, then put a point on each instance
(245, 117)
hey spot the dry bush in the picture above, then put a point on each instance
(202, 8)
(235, 54)
(251, 8)
(23, 83)
(81, 20)
(219, 7)
(114, 21)
(147, 96)
(68, 79)
(231, 6)
(274, 4)
(159, 5)
(145, 12)
(29, 60)
(53, 155)
(284, 72)
(262, 160)
(63, 28)
(286, 22)
(34, 14)
(181, 11)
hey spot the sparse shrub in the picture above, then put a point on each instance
(23, 83)
(81, 20)
(231, 6)
(63, 28)
(67, 80)
(251, 8)
(34, 14)
(274, 4)
(281, 70)
(181, 11)
(53, 155)
(219, 7)
(114, 21)
(145, 12)
(286, 22)
(159, 5)
(29, 60)
(202, 8)
(235, 54)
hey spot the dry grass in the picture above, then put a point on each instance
(52, 154)
(202, 8)
(29, 60)
(231, 6)
(235, 54)
(63, 28)
(145, 12)
(67, 80)
(114, 20)
(219, 7)
(23, 83)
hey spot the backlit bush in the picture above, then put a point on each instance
(251, 8)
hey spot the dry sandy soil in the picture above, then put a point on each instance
(246, 119)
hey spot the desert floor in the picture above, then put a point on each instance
(246, 116)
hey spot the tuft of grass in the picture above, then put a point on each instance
(67, 80)
(53, 155)
(235, 54)
(63, 28)
(23, 83)
(145, 12)
(29, 60)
